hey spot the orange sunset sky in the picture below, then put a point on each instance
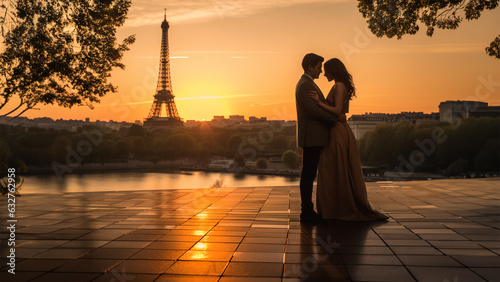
(243, 58)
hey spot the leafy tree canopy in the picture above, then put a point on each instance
(291, 159)
(396, 17)
(59, 51)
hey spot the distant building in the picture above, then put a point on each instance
(218, 121)
(253, 119)
(361, 124)
(221, 164)
(60, 124)
(43, 120)
(489, 111)
(275, 124)
(452, 110)
(221, 121)
(191, 123)
(219, 118)
(237, 118)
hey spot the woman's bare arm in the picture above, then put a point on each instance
(339, 94)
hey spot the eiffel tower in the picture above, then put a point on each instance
(164, 94)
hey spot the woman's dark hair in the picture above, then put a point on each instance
(340, 74)
(311, 59)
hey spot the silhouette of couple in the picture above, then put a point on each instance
(329, 148)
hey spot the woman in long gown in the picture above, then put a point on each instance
(341, 192)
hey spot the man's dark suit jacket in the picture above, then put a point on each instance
(312, 120)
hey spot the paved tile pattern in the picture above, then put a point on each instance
(439, 230)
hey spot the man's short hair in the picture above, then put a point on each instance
(311, 59)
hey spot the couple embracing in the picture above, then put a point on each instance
(329, 148)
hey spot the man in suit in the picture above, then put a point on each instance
(313, 124)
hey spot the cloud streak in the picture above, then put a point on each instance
(147, 12)
(430, 48)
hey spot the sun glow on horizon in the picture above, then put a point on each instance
(243, 58)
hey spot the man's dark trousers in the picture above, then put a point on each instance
(310, 160)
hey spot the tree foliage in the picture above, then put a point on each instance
(469, 144)
(291, 159)
(59, 51)
(261, 163)
(396, 18)
(494, 48)
(239, 159)
(488, 159)
(94, 144)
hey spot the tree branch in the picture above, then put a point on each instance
(6, 15)
(27, 108)
(460, 6)
(7, 98)
(20, 105)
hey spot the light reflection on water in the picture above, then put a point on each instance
(134, 181)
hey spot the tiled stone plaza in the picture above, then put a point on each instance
(439, 230)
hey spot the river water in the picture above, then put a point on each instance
(134, 181)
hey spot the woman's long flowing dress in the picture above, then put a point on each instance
(341, 190)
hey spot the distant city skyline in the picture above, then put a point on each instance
(449, 111)
(244, 59)
(254, 117)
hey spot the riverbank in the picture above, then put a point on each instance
(186, 166)
(163, 166)
(136, 181)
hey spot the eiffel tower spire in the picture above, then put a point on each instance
(164, 94)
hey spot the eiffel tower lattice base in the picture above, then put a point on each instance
(164, 95)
